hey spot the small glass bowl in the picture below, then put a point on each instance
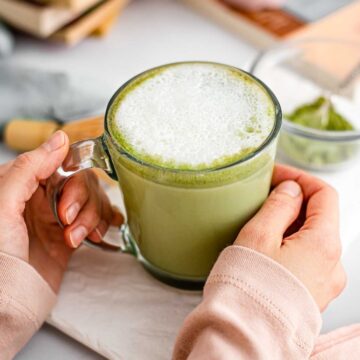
(298, 73)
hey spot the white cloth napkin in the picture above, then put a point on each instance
(111, 304)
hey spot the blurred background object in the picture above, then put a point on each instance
(6, 41)
(263, 24)
(36, 103)
(27, 134)
(253, 5)
(318, 85)
(26, 92)
(67, 21)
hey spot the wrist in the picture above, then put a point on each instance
(244, 276)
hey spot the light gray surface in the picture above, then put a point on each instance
(50, 343)
(313, 10)
(345, 309)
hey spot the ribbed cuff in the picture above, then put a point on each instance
(21, 284)
(272, 286)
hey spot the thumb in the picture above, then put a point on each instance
(22, 179)
(279, 211)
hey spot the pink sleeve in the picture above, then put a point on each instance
(343, 343)
(253, 308)
(25, 301)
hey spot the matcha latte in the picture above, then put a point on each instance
(193, 146)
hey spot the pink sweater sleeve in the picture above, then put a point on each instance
(25, 301)
(252, 308)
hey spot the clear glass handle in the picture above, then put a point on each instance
(84, 155)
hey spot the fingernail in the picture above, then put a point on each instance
(77, 236)
(100, 239)
(72, 212)
(290, 188)
(56, 141)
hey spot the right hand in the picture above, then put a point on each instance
(298, 227)
(253, 5)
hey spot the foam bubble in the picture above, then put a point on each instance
(194, 116)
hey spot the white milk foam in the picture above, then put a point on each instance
(194, 115)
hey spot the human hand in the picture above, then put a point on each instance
(29, 230)
(298, 227)
(254, 5)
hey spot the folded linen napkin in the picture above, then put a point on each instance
(32, 93)
(111, 304)
(6, 41)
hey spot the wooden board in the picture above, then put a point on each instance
(70, 4)
(88, 23)
(264, 28)
(38, 19)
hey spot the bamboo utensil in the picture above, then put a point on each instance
(27, 134)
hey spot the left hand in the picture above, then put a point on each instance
(29, 230)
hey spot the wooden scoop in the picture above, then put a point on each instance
(24, 134)
(27, 134)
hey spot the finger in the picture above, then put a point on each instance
(309, 183)
(74, 196)
(96, 212)
(322, 212)
(106, 217)
(336, 283)
(339, 280)
(279, 211)
(117, 217)
(96, 236)
(22, 179)
(98, 233)
(87, 220)
(5, 167)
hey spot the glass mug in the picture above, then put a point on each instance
(178, 221)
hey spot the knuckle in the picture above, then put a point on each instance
(340, 281)
(92, 177)
(279, 202)
(254, 235)
(77, 183)
(333, 191)
(95, 217)
(79, 179)
(332, 251)
(86, 180)
(23, 161)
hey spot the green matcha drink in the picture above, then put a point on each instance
(193, 147)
